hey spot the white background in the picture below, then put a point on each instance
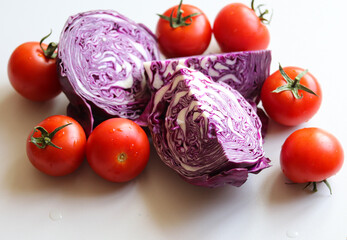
(158, 204)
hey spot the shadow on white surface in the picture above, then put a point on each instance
(282, 192)
(172, 202)
(22, 179)
(19, 177)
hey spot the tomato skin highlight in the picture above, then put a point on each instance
(283, 107)
(33, 75)
(185, 40)
(311, 155)
(238, 28)
(58, 162)
(118, 150)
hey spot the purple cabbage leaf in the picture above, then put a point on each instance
(100, 62)
(206, 131)
(244, 71)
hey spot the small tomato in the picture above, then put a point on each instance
(118, 150)
(183, 30)
(32, 71)
(311, 155)
(56, 146)
(238, 28)
(291, 96)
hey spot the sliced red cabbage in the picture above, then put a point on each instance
(205, 131)
(244, 71)
(100, 60)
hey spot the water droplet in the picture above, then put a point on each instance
(132, 146)
(55, 215)
(292, 234)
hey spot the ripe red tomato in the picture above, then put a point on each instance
(284, 107)
(57, 145)
(191, 37)
(238, 28)
(118, 150)
(32, 74)
(311, 155)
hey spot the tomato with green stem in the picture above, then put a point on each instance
(56, 146)
(118, 150)
(32, 70)
(238, 28)
(291, 96)
(311, 155)
(183, 30)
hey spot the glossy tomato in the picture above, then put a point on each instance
(118, 150)
(291, 96)
(56, 146)
(238, 28)
(311, 155)
(32, 71)
(187, 32)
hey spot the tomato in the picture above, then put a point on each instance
(118, 150)
(238, 28)
(299, 99)
(33, 72)
(311, 155)
(191, 36)
(56, 146)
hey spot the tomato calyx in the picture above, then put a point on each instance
(261, 13)
(46, 137)
(314, 186)
(293, 85)
(50, 52)
(179, 20)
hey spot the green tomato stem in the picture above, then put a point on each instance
(50, 52)
(328, 185)
(261, 14)
(46, 138)
(293, 85)
(314, 186)
(179, 20)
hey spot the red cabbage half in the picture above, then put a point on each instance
(100, 60)
(206, 131)
(243, 71)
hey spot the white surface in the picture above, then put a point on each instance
(158, 204)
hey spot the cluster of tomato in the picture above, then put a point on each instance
(118, 149)
(292, 96)
(185, 30)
